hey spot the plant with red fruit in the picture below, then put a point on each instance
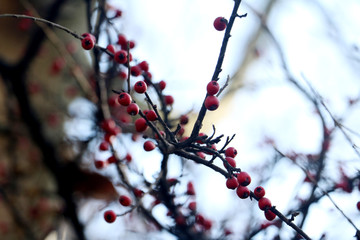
(162, 85)
(230, 161)
(104, 146)
(115, 104)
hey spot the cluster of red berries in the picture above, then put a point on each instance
(122, 56)
(110, 216)
(243, 192)
(264, 203)
(240, 182)
(211, 101)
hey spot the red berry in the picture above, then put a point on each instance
(184, 119)
(242, 192)
(169, 100)
(269, 215)
(110, 48)
(192, 206)
(124, 99)
(150, 115)
(147, 76)
(207, 224)
(264, 203)
(259, 192)
(162, 133)
(123, 75)
(138, 193)
(104, 146)
(99, 164)
(227, 232)
(244, 178)
(181, 131)
(180, 220)
(231, 161)
(201, 155)
(212, 87)
(220, 23)
(125, 200)
(211, 103)
(128, 157)
(199, 219)
(111, 159)
(132, 109)
(231, 152)
(190, 189)
(140, 125)
(140, 87)
(88, 42)
(131, 44)
(109, 216)
(122, 41)
(149, 146)
(118, 13)
(108, 124)
(112, 101)
(108, 137)
(162, 85)
(121, 56)
(58, 65)
(144, 66)
(232, 183)
(135, 71)
(358, 205)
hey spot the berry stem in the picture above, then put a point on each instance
(200, 118)
(290, 223)
(227, 35)
(36, 19)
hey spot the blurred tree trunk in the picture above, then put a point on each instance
(39, 78)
